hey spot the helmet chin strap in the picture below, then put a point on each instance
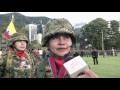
(18, 49)
(52, 54)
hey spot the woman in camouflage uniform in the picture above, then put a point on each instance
(59, 38)
(16, 63)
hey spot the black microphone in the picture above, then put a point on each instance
(67, 57)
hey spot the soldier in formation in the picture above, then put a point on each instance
(17, 63)
(35, 55)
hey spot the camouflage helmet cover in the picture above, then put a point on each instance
(55, 26)
(16, 37)
(35, 45)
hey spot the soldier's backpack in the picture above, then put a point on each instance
(9, 60)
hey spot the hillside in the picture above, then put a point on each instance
(20, 21)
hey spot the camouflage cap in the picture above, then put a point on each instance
(56, 26)
(17, 37)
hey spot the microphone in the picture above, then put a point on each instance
(74, 65)
(67, 57)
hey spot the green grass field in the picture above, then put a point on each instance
(109, 66)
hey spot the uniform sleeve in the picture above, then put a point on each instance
(2, 65)
(40, 73)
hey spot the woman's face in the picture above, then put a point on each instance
(20, 45)
(60, 44)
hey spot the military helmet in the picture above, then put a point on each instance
(58, 26)
(16, 37)
(35, 44)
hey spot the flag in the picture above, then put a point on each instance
(9, 31)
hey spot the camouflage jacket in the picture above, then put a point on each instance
(44, 70)
(36, 61)
(19, 68)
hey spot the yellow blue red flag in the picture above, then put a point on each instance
(9, 31)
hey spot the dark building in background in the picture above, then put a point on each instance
(39, 29)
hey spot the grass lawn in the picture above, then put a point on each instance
(109, 66)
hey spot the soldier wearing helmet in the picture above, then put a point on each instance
(36, 57)
(59, 38)
(17, 63)
(58, 26)
(17, 37)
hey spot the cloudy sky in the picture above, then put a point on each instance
(76, 17)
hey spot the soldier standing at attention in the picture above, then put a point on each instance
(16, 63)
(59, 38)
(36, 57)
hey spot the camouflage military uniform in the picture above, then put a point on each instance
(44, 70)
(36, 60)
(18, 68)
(53, 27)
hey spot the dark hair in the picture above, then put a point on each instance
(56, 34)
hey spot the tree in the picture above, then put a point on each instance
(79, 37)
(92, 32)
(114, 34)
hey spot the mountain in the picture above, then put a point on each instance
(20, 21)
(79, 25)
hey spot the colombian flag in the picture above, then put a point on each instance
(10, 31)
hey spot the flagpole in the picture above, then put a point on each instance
(10, 29)
(13, 19)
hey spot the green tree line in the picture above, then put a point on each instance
(93, 33)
